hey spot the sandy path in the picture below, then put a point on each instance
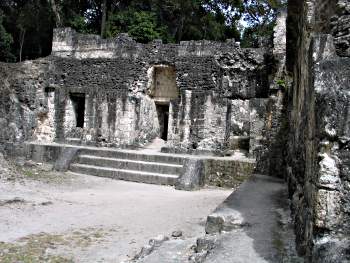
(122, 216)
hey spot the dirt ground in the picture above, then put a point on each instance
(64, 217)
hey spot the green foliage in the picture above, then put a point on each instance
(254, 35)
(30, 22)
(281, 83)
(142, 26)
(213, 27)
(79, 23)
(173, 21)
(261, 12)
(6, 41)
(260, 17)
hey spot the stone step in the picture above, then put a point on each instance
(124, 164)
(127, 175)
(133, 155)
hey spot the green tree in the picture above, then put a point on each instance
(260, 17)
(142, 26)
(6, 41)
(257, 35)
(30, 22)
(177, 20)
(82, 15)
(79, 24)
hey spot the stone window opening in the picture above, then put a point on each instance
(78, 102)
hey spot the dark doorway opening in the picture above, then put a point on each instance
(78, 101)
(163, 118)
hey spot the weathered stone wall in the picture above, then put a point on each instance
(276, 119)
(25, 108)
(332, 90)
(340, 28)
(164, 86)
(227, 173)
(215, 81)
(318, 152)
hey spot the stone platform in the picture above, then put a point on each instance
(141, 165)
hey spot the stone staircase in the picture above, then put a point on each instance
(152, 168)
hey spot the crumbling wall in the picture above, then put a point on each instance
(209, 111)
(210, 76)
(318, 152)
(118, 112)
(276, 119)
(25, 108)
(340, 25)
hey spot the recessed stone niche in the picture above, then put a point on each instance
(162, 88)
(162, 83)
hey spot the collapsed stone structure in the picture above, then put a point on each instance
(287, 108)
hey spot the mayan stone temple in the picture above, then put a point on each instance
(198, 98)
(247, 150)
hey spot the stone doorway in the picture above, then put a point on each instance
(162, 88)
(163, 119)
(78, 102)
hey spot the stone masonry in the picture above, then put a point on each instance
(318, 143)
(108, 92)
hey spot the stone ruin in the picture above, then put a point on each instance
(285, 107)
(197, 96)
(318, 157)
(200, 97)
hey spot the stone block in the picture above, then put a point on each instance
(66, 157)
(193, 174)
(327, 209)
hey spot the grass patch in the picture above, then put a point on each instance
(29, 173)
(32, 251)
(34, 248)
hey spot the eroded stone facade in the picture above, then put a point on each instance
(318, 142)
(200, 96)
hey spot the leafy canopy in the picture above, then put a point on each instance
(29, 23)
(142, 26)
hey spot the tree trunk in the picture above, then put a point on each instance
(180, 29)
(104, 16)
(21, 40)
(56, 13)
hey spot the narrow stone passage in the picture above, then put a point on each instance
(258, 214)
(251, 225)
